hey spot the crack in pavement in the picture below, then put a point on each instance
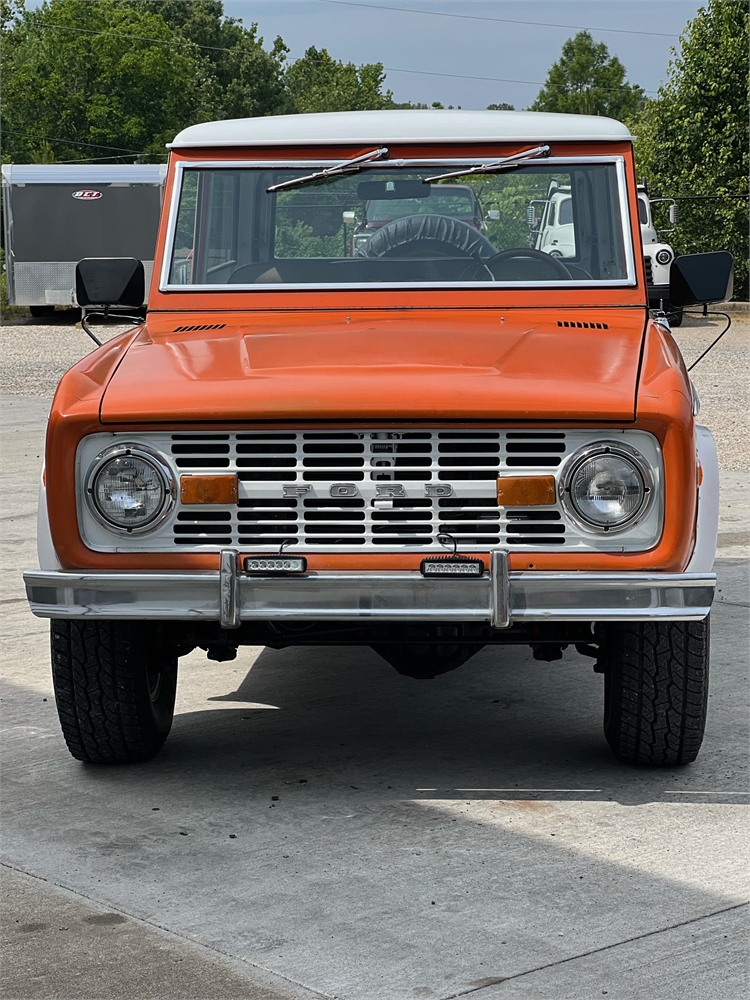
(497, 981)
(185, 938)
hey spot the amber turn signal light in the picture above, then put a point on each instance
(525, 491)
(208, 489)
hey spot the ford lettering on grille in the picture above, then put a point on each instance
(349, 490)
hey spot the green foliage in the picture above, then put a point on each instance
(501, 107)
(298, 239)
(317, 82)
(510, 194)
(586, 80)
(240, 79)
(69, 74)
(693, 139)
(131, 74)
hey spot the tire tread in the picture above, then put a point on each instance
(657, 691)
(99, 671)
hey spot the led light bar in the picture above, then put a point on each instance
(275, 565)
(452, 566)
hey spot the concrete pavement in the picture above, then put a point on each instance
(318, 825)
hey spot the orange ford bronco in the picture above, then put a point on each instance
(429, 441)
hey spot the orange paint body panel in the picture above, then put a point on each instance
(373, 357)
(664, 408)
(401, 365)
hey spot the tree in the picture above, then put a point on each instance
(693, 139)
(244, 79)
(127, 75)
(501, 107)
(586, 80)
(318, 82)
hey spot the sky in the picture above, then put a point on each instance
(431, 56)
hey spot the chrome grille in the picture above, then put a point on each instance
(369, 490)
(470, 461)
(649, 269)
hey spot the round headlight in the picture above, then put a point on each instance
(607, 489)
(663, 256)
(129, 490)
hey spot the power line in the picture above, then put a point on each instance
(73, 142)
(497, 79)
(500, 20)
(139, 38)
(388, 69)
(119, 156)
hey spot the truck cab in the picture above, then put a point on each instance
(447, 440)
(553, 231)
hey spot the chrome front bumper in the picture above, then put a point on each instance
(499, 597)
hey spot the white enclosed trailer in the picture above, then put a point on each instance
(57, 214)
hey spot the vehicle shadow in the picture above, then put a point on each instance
(501, 726)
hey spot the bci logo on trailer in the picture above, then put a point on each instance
(87, 194)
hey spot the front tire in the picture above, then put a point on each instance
(656, 691)
(115, 689)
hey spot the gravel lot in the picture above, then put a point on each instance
(36, 356)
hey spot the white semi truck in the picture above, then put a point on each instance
(552, 229)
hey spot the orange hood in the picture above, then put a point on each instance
(441, 364)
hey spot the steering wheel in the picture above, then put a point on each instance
(426, 236)
(520, 253)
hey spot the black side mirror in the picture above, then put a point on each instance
(700, 278)
(110, 281)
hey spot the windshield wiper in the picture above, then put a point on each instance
(345, 167)
(494, 166)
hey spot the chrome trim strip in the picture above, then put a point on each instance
(415, 161)
(180, 166)
(174, 205)
(396, 285)
(385, 595)
(627, 232)
(500, 592)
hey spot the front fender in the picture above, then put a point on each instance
(45, 547)
(707, 518)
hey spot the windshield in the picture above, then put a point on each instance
(385, 226)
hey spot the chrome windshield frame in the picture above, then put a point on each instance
(630, 281)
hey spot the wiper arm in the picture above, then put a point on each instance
(494, 166)
(345, 167)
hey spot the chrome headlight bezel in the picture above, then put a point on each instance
(160, 466)
(622, 451)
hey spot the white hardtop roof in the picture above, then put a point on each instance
(357, 127)
(84, 173)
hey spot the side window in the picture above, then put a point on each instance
(552, 214)
(206, 235)
(643, 211)
(184, 239)
(566, 212)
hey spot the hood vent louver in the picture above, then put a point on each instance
(582, 326)
(204, 326)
